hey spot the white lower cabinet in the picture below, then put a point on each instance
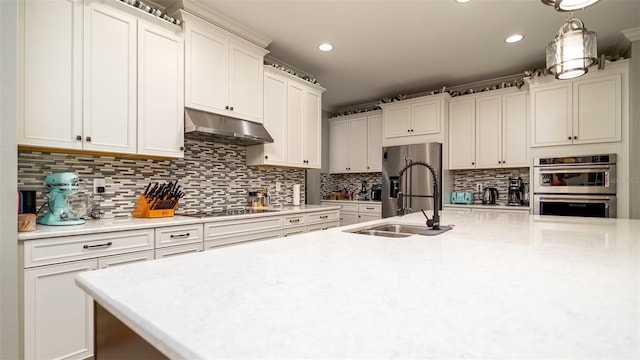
(58, 315)
(352, 212)
(323, 220)
(178, 250)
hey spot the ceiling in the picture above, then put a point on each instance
(386, 48)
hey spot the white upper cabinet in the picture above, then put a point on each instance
(420, 116)
(160, 92)
(462, 139)
(355, 143)
(374, 143)
(87, 94)
(292, 116)
(110, 92)
(585, 110)
(488, 131)
(50, 105)
(223, 73)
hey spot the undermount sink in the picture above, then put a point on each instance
(399, 230)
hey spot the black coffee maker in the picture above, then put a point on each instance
(515, 191)
(376, 192)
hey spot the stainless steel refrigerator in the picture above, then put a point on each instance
(417, 181)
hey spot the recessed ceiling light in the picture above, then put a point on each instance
(513, 38)
(325, 47)
(462, 1)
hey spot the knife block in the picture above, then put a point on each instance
(143, 209)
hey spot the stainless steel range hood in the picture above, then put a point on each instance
(214, 126)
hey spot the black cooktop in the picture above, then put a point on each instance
(228, 212)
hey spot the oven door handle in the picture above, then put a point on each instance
(577, 198)
(576, 169)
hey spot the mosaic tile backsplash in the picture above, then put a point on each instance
(466, 180)
(337, 182)
(212, 174)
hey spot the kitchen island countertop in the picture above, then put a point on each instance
(498, 285)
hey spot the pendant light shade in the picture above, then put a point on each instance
(573, 51)
(569, 5)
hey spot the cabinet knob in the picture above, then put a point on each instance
(181, 148)
(266, 156)
(231, 108)
(408, 130)
(88, 138)
(575, 138)
(473, 163)
(78, 137)
(226, 107)
(411, 130)
(568, 137)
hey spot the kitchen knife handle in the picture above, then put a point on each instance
(91, 247)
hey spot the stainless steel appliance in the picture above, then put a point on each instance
(490, 195)
(376, 192)
(514, 198)
(415, 181)
(525, 194)
(575, 186)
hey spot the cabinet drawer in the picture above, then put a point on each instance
(227, 232)
(178, 235)
(324, 216)
(370, 208)
(294, 220)
(178, 250)
(294, 231)
(69, 248)
(115, 260)
(323, 226)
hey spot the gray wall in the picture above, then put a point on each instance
(634, 130)
(9, 325)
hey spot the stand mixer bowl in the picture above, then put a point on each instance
(65, 201)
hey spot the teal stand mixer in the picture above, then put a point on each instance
(66, 204)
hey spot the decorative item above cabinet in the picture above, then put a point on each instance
(423, 117)
(292, 116)
(587, 110)
(223, 72)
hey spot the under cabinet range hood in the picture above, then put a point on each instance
(215, 126)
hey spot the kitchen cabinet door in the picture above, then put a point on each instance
(597, 109)
(397, 120)
(514, 130)
(488, 132)
(462, 119)
(206, 67)
(50, 75)
(110, 92)
(313, 132)
(245, 86)
(160, 92)
(295, 120)
(425, 117)
(338, 148)
(374, 143)
(58, 315)
(357, 145)
(551, 119)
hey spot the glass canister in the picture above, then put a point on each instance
(26, 222)
(252, 199)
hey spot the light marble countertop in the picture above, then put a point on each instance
(131, 223)
(501, 206)
(354, 201)
(498, 285)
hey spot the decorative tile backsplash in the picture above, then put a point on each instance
(337, 182)
(466, 180)
(212, 174)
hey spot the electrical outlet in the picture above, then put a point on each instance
(278, 186)
(478, 187)
(99, 186)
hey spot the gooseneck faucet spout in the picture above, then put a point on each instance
(434, 222)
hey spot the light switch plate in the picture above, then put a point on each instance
(478, 187)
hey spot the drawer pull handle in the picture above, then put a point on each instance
(324, 216)
(294, 220)
(179, 236)
(90, 247)
(370, 208)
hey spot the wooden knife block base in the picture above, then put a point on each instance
(143, 209)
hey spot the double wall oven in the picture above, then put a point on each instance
(575, 186)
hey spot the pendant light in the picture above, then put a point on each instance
(569, 5)
(572, 51)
